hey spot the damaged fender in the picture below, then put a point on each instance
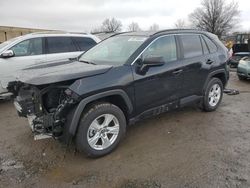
(78, 111)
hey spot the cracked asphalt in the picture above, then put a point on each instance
(186, 148)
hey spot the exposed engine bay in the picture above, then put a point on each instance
(43, 96)
(44, 106)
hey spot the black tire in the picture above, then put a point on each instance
(241, 77)
(93, 112)
(205, 105)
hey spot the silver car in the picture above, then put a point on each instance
(39, 49)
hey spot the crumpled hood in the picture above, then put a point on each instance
(62, 72)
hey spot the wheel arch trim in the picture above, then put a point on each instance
(212, 74)
(79, 109)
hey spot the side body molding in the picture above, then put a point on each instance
(79, 109)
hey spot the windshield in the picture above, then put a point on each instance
(114, 51)
(2, 45)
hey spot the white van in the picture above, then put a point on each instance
(39, 49)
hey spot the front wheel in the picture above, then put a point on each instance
(213, 95)
(100, 130)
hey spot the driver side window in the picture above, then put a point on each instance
(28, 47)
(163, 47)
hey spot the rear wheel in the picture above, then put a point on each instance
(100, 130)
(213, 95)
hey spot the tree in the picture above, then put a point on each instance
(111, 25)
(216, 16)
(133, 26)
(154, 27)
(180, 24)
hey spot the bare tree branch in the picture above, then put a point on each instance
(111, 25)
(134, 27)
(154, 27)
(180, 24)
(216, 16)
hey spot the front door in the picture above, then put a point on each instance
(159, 85)
(26, 53)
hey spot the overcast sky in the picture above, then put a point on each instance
(85, 15)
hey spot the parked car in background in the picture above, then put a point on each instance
(236, 57)
(239, 51)
(39, 49)
(123, 79)
(243, 70)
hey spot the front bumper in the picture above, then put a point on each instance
(35, 124)
(43, 123)
(4, 94)
(2, 90)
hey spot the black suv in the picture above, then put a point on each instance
(125, 78)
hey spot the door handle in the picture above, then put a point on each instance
(209, 62)
(177, 71)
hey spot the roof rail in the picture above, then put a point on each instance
(102, 32)
(119, 33)
(166, 30)
(56, 32)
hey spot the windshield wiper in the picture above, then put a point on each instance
(87, 62)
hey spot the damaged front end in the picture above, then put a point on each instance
(45, 107)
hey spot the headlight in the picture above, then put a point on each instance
(71, 94)
(242, 62)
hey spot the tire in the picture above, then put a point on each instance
(241, 77)
(212, 100)
(93, 132)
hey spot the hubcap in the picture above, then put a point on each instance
(214, 95)
(103, 131)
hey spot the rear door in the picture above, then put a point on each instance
(60, 48)
(194, 64)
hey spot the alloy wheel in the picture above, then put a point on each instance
(103, 131)
(214, 95)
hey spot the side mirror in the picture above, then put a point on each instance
(73, 58)
(7, 54)
(153, 61)
(144, 65)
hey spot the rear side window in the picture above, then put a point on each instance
(204, 46)
(191, 46)
(28, 47)
(60, 45)
(211, 46)
(84, 43)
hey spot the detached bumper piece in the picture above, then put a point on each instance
(231, 92)
(244, 74)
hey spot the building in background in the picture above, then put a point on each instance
(7, 32)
